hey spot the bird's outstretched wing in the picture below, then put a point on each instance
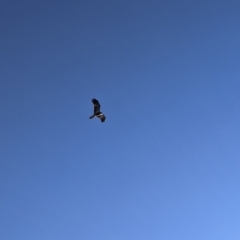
(96, 105)
(102, 117)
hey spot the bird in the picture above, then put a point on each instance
(96, 112)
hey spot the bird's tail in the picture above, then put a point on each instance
(91, 117)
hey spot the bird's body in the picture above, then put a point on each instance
(97, 112)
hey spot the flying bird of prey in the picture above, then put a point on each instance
(96, 110)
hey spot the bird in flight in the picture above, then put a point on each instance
(96, 111)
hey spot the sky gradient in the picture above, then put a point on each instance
(164, 165)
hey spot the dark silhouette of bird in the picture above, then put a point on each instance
(96, 111)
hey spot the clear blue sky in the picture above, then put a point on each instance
(164, 165)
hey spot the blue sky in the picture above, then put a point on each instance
(164, 165)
